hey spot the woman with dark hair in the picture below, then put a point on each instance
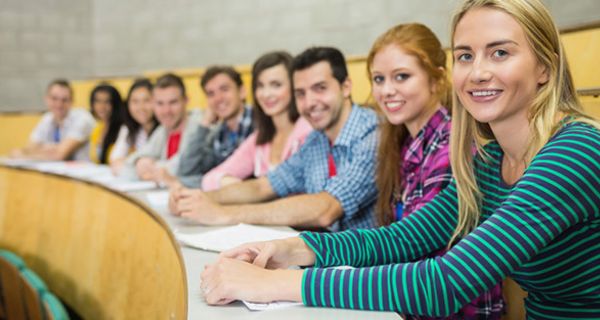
(279, 129)
(106, 105)
(139, 122)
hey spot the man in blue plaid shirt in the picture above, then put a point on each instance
(329, 183)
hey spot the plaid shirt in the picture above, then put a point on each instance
(426, 171)
(353, 151)
(425, 163)
(226, 141)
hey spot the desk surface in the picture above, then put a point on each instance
(195, 260)
(197, 309)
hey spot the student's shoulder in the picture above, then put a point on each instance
(365, 115)
(313, 138)
(365, 122)
(80, 114)
(578, 135)
(46, 118)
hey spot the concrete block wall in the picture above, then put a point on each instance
(184, 33)
(41, 39)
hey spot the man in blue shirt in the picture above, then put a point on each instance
(328, 183)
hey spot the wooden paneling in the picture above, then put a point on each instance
(103, 253)
(15, 129)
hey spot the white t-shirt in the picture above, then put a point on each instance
(77, 126)
(122, 147)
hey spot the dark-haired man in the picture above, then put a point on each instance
(225, 96)
(328, 183)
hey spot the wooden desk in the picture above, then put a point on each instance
(107, 255)
(195, 260)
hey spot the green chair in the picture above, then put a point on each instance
(24, 294)
(12, 258)
(11, 283)
(53, 307)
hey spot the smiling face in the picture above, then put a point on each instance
(101, 105)
(59, 100)
(273, 90)
(496, 74)
(402, 88)
(320, 97)
(169, 106)
(140, 105)
(224, 97)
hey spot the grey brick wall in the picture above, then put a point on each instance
(40, 40)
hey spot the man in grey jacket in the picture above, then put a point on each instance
(209, 146)
(158, 160)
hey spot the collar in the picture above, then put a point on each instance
(416, 148)
(244, 117)
(346, 135)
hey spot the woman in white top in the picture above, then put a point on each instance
(139, 123)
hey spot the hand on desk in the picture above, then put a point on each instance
(246, 272)
(146, 169)
(174, 195)
(274, 254)
(231, 279)
(116, 166)
(16, 154)
(196, 205)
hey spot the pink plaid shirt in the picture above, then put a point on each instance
(426, 172)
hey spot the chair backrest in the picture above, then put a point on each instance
(23, 294)
(32, 289)
(53, 307)
(12, 304)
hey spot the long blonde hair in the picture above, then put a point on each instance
(419, 41)
(554, 98)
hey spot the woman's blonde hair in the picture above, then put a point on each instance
(554, 98)
(420, 42)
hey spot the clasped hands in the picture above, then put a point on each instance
(257, 272)
(196, 205)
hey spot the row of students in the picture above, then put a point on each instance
(407, 65)
(108, 133)
(520, 145)
(523, 201)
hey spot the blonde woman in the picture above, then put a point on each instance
(526, 206)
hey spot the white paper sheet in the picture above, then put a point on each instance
(125, 186)
(16, 162)
(270, 306)
(230, 237)
(158, 199)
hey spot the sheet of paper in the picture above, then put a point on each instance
(230, 237)
(125, 186)
(16, 162)
(90, 172)
(158, 199)
(270, 306)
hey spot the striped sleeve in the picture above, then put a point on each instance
(413, 237)
(559, 191)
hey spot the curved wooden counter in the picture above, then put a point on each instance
(105, 254)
